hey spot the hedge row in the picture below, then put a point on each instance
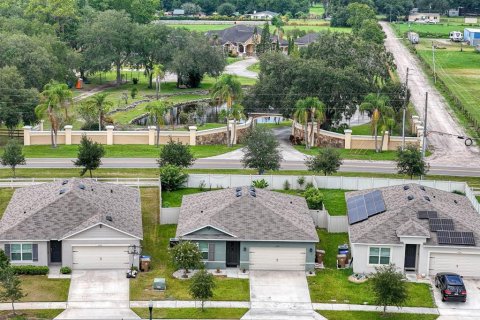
(31, 270)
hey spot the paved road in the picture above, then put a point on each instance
(448, 150)
(239, 68)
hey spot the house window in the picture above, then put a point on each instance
(204, 250)
(379, 255)
(21, 252)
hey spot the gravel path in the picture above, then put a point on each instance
(448, 150)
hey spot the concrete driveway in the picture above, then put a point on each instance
(280, 295)
(459, 310)
(98, 294)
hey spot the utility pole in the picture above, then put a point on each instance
(424, 142)
(404, 111)
(434, 67)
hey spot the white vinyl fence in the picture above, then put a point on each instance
(130, 182)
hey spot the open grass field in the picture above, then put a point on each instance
(317, 9)
(439, 31)
(192, 313)
(369, 315)
(121, 151)
(332, 286)
(459, 70)
(304, 26)
(155, 243)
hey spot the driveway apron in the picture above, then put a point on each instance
(280, 295)
(458, 310)
(98, 294)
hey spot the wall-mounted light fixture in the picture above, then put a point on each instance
(244, 248)
(311, 250)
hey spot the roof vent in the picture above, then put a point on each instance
(291, 202)
(64, 182)
(62, 191)
(422, 188)
(238, 194)
(406, 187)
(253, 193)
(111, 190)
(92, 189)
(81, 186)
(238, 189)
(456, 202)
(410, 198)
(252, 189)
(109, 218)
(426, 198)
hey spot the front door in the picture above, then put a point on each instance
(233, 254)
(55, 251)
(410, 257)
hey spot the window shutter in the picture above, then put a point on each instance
(7, 250)
(35, 252)
(211, 252)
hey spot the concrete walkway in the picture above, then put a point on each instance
(239, 68)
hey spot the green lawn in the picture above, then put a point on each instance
(308, 28)
(355, 154)
(317, 9)
(42, 289)
(5, 195)
(254, 67)
(283, 124)
(171, 199)
(191, 313)
(369, 315)
(424, 30)
(39, 314)
(155, 243)
(332, 285)
(333, 200)
(121, 151)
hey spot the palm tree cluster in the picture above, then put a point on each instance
(310, 111)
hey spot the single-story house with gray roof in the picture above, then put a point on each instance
(306, 40)
(422, 230)
(249, 228)
(79, 223)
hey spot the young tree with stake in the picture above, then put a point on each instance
(202, 285)
(89, 155)
(12, 155)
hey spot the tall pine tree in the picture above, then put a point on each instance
(265, 41)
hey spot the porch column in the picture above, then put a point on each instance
(68, 134)
(109, 135)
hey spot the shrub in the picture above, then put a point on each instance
(261, 184)
(65, 270)
(135, 80)
(286, 185)
(166, 204)
(31, 270)
(177, 154)
(133, 92)
(91, 126)
(202, 185)
(172, 177)
(186, 255)
(309, 185)
(301, 181)
(314, 198)
(458, 192)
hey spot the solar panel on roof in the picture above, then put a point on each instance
(465, 238)
(363, 206)
(427, 214)
(437, 224)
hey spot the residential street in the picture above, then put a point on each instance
(448, 150)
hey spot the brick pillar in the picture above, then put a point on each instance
(348, 138)
(151, 135)
(109, 135)
(386, 139)
(26, 135)
(68, 134)
(193, 135)
(41, 124)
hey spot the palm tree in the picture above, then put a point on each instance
(301, 115)
(55, 96)
(237, 113)
(101, 104)
(377, 108)
(159, 75)
(317, 114)
(226, 90)
(157, 111)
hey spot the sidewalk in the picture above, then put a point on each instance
(226, 304)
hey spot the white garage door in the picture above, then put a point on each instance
(103, 257)
(467, 265)
(289, 259)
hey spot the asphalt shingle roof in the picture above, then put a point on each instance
(55, 210)
(268, 216)
(400, 217)
(307, 39)
(237, 33)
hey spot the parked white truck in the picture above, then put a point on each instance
(456, 36)
(413, 37)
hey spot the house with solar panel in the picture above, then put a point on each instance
(248, 228)
(419, 229)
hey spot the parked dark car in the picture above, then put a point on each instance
(451, 286)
